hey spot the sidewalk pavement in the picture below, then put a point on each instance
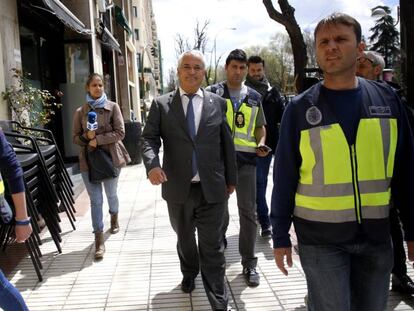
(140, 270)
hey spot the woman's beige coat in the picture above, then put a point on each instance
(109, 135)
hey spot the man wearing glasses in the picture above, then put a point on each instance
(198, 173)
(370, 66)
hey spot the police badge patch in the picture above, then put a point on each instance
(313, 115)
(239, 120)
(220, 91)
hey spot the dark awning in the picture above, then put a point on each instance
(121, 19)
(107, 39)
(66, 16)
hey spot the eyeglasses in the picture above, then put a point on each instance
(189, 68)
(363, 60)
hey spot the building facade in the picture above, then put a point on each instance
(148, 52)
(60, 42)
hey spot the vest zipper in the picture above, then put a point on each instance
(357, 198)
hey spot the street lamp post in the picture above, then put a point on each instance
(215, 50)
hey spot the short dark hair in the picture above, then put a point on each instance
(238, 55)
(340, 18)
(255, 59)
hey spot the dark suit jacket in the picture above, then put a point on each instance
(213, 145)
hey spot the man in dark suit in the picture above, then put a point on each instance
(198, 173)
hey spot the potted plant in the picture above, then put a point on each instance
(31, 106)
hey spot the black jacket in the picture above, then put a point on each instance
(216, 158)
(273, 106)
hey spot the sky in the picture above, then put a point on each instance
(249, 17)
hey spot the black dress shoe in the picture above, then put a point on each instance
(266, 232)
(402, 284)
(187, 285)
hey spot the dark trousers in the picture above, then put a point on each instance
(345, 277)
(207, 218)
(400, 258)
(262, 171)
(246, 198)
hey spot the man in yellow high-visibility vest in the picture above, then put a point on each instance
(345, 145)
(246, 119)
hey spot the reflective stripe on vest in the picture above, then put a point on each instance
(244, 139)
(1, 186)
(1, 190)
(340, 184)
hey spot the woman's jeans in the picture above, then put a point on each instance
(96, 197)
(347, 277)
(10, 298)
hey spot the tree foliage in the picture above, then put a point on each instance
(385, 37)
(310, 49)
(30, 106)
(199, 42)
(171, 83)
(279, 61)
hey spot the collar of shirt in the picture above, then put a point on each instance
(197, 104)
(183, 93)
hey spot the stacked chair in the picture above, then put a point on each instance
(48, 186)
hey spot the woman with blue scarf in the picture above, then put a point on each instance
(99, 124)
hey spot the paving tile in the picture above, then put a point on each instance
(141, 271)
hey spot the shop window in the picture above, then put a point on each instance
(77, 62)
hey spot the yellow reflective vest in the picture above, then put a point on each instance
(2, 199)
(1, 189)
(340, 183)
(242, 121)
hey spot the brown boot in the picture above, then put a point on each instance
(114, 224)
(99, 245)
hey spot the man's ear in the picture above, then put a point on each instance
(361, 48)
(377, 70)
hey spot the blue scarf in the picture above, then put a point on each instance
(96, 103)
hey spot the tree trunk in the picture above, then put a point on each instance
(287, 19)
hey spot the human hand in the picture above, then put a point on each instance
(90, 134)
(93, 143)
(230, 189)
(157, 176)
(23, 232)
(280, 254)
(262, 150)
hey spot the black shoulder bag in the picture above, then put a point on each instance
(100, 165)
